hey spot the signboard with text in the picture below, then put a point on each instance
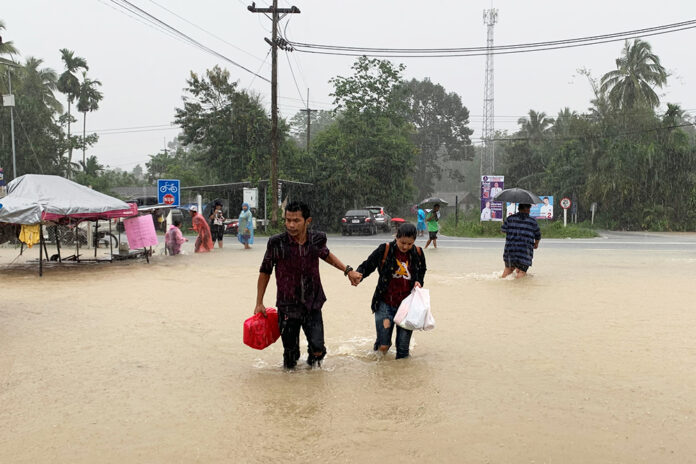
(168, 192)
(490, 187)
(543, 210)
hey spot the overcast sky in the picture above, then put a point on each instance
(143, 70)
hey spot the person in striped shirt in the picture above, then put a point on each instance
(522, 236)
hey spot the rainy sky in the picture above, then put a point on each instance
(143, 70)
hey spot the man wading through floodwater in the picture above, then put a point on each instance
(295, 255)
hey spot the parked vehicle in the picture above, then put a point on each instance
(382, 219)
(358, 220)
(231, 226)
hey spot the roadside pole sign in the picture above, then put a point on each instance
(565, 204)
(168, 192)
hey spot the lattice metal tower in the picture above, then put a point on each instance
(490, 17)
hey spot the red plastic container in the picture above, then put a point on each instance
(260, 331)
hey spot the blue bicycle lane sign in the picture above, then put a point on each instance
(168, 192)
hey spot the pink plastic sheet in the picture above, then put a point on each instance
(140, 231)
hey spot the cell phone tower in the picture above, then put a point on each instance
(490, 17)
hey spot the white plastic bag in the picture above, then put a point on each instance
(416, 307)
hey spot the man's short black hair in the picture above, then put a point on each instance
(217, 203)
(407, 230)
(524, 206)
(294, 206)
(436, 205)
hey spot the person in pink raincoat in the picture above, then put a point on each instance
(174, 238)
(204, 242)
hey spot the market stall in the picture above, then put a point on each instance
(36, 201)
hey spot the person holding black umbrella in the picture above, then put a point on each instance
(522, 236)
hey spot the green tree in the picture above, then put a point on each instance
(535, 125)
(88, 101)
(319, 121)
(7, 49)
(367, 156)
(69, 84)
(229, 128)
(637, 71)
(441, 131)
(91, 166)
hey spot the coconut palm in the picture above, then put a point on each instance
(88, 101)
(69, 84)
(535, 125)
(42, 82)
(637, 71)
(564, 121)
(6, 48)
(91, 166)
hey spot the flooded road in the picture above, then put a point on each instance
(590, 359)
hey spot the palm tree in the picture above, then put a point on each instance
(637, 71)
(563, 121)
(6, 48)
(88, 101)
(91, 166)
(69, 84)
(535, 125)
(43, 81)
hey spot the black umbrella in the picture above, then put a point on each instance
(518, 195)
(432, 201)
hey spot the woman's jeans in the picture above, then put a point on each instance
(384, 334)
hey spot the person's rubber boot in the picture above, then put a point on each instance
(289, 361)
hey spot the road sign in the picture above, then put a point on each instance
(565, 203)
(251, 196)
(168, 192)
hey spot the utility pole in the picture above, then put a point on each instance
(490, 17)
(309, 119)
(274, 43)
(9, 101)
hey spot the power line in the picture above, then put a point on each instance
(126, 5)
(498, 50)
(206, 31)
(287, 55)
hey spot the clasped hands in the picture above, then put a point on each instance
(355, 277)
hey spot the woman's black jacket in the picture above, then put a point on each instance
(386, 271)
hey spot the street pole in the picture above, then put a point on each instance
(275, 11)
(14, 154)
(309, 119)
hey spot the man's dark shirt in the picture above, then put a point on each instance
(297, 271)
(521, 231)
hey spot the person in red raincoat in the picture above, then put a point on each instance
(204, 242)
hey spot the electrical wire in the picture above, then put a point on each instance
(496, 50)
(287, 55)
(205, 30)
(254, 77)
(128, 6)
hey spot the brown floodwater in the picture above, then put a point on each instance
(590, 359)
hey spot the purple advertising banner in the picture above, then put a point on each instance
(490, 187)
